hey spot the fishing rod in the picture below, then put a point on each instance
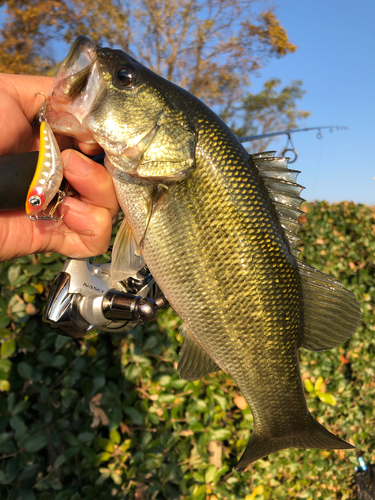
(289, 145)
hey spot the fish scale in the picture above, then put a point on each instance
(218, 290)
(218, 230)
(248, 272)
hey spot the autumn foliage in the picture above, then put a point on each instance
(213, 49)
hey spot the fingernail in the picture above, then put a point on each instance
(77, 164)
(75, 205)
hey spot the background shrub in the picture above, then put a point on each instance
(107, 416)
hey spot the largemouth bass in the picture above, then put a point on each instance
(217, 228)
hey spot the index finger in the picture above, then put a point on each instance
(22, 88)
(18, 102)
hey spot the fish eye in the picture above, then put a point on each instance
(124, 76)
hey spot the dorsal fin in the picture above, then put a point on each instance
(331, 313)
(280, 182)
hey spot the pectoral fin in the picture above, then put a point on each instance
(158, 192)
(194, 362)
(125, 262)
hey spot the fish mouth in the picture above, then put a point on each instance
(81, 55)
(77, 86)
(77, 105)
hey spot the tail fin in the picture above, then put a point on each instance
(316, 436)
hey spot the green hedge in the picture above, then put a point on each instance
(107, 416)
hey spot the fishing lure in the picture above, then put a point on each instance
(47, 178)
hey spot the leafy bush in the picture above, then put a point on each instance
(107, 416)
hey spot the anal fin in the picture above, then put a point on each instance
(194, 362)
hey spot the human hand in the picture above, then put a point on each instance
(85, 229)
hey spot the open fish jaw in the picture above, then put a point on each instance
(76, 88)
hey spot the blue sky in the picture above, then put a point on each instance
(335, 59)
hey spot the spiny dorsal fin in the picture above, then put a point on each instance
(284, 192)
(331, 313)
(194, 362)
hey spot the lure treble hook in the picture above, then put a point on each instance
(42, 118)
(60, 198)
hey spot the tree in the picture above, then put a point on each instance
(32, 27)
(271, 111)
(211, 48)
